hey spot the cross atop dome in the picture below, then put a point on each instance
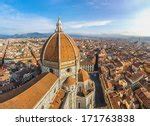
(59, 25)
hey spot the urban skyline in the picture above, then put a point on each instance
(69, 67)
(60, 72)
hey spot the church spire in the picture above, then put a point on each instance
(58, 25)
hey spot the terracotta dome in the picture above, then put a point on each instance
(83, 75)
(59, 47)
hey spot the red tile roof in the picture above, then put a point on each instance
(56, 104)
(30, 97)
(83, 75)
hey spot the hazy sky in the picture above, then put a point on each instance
(127, 17)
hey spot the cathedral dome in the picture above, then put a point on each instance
(83, 75)
(59, 47)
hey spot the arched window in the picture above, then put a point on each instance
(42, 107)
(91, 101)
(79, 89)
(79, 105)
(54, 90)
(51, 70)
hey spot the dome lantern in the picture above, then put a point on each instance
(58, 25)
(59, 48)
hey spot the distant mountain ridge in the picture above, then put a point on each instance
(46, 35)
(32, 35)
(35, 35)
(27, 35)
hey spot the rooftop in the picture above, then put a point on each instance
(58, 99)
(83, 75)
(31, 96)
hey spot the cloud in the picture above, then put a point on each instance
(140, 24)
(140, 1)
(97, 2)
(12, 21)
(87, 23)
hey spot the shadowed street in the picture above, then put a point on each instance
(99, 96)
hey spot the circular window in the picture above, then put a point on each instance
(68, 70)
(51, 70)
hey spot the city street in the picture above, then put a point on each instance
(99, 96)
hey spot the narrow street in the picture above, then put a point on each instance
(4, 52)
(99, 96)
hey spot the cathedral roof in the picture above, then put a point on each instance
(70, 81)
(83, 75)
(59, 47)
(30, 97)
(58, 99)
